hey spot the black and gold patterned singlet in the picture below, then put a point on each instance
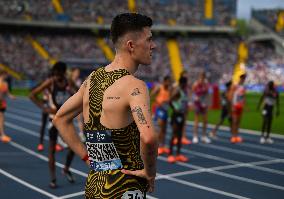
(110, 150)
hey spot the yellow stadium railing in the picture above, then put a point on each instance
(10, 71)
(175, 59)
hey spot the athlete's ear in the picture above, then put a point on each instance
(130, 45)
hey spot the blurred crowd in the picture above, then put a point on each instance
(264, 64)
(217, 55)
(268, 17)
(168, 12)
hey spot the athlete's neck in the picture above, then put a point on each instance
(122, 61)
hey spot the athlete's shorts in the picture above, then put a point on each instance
(178, 119)
(161, 114)
(225, 113)
(3, 105)
(267, 111)
(113, 184)
(238, 109)
(200, 108)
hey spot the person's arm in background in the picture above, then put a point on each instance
(9, 93)
(40, 102)
(63, 121)
(260, 101)
(155, 91)
(140, 108)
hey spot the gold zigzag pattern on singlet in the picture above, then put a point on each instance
(113, 183)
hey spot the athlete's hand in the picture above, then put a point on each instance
(49, 110)
(142, 174)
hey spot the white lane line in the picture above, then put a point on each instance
(42, 157)
(184, 150)
(218, 168)
(202, 187)
(24, 130)
(84, 174)
(242, 131)
(26, 184)
(237, 177)
(24, 113)
(235, 162)
(223, 128)
(237, 151)
(23, 119)
(255, 146)
(37, 123)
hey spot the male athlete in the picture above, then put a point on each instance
(162, 95)
(120, 138)
(57, 86)
(237, 97)
(270, 99)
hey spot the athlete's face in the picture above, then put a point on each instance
(143, 47)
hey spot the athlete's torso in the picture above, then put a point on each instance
(239, 95)
(110, 150)
(58, 94)
(163, 96)
(270, 97)
(200, 92)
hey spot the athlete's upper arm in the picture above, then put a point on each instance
(73, 106)
(44, 85)
(140, 107)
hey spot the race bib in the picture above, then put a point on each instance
(102, 153)
(133, 195)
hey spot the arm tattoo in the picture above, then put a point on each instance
(141, 118)
(135, 92)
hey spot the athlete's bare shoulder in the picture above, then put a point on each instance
(133, 85)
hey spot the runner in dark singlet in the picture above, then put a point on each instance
(57, 86)
(179, 104)
(225, 112)
(270, 97)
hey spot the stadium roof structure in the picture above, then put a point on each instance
(106, 27)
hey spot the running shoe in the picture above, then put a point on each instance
(233, 140)
(40, 147)
(181, 158)
(171, 159)
(53, 184)
(195, 140)
(58, 148)
(205, 140)
(5, 138)
(185, 141)
(68, 175)
(262, 140)
(269, 141)
(239, 139)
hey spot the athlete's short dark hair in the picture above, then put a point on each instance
(167, 78)
(128, 22)
(228, 84)
(59, 68)
(182, 81)
(243, 76)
